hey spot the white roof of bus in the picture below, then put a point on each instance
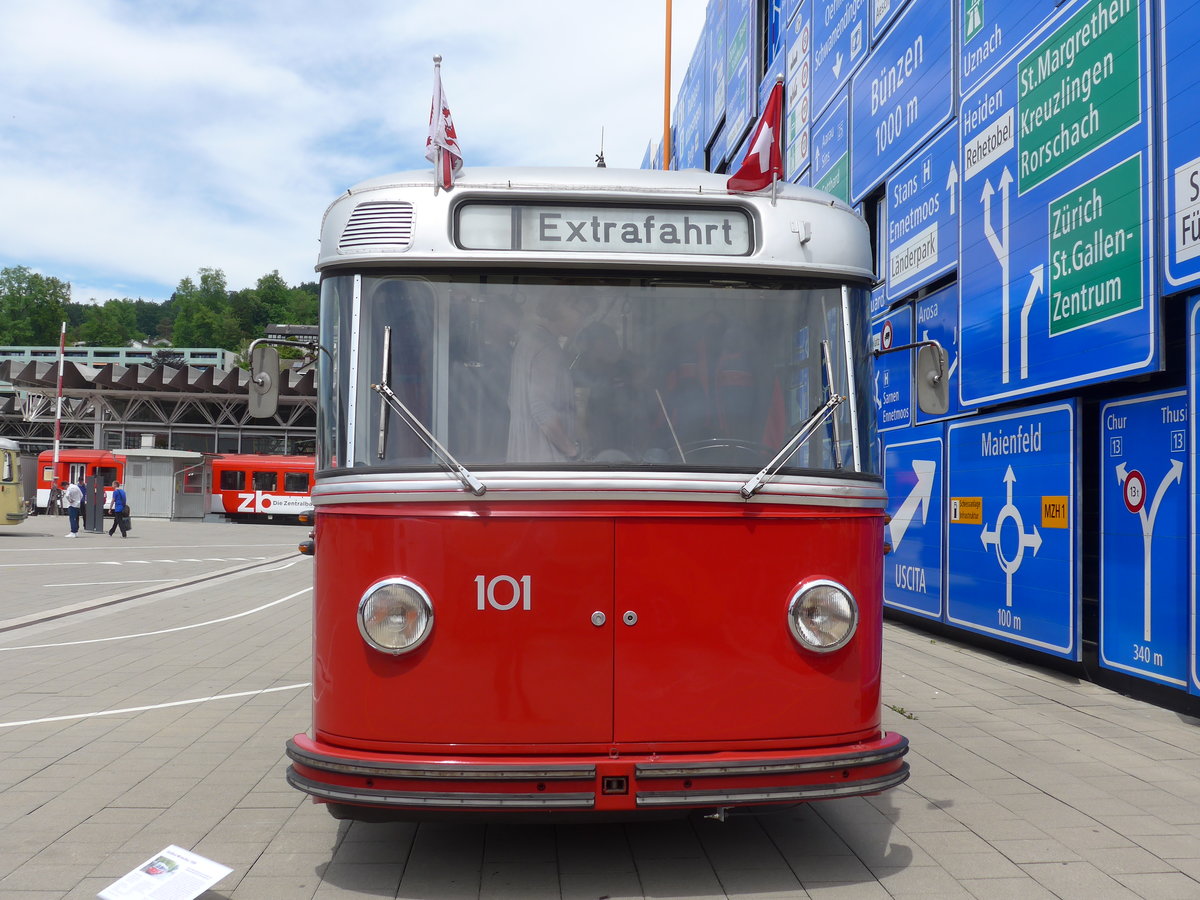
(689, 182)
(804, 230)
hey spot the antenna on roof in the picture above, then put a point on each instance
(600, 156)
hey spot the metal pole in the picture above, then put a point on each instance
(62, 352)
(666, 142)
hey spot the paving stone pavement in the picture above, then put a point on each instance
(1025, 783)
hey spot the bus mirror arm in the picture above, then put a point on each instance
(264, 373)
(932, 375)
(802, 434)
(457, 469)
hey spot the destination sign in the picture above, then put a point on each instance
(1180, 137)
(603, 229)
(1144, 536)
(1057, 212)
(1070, 98)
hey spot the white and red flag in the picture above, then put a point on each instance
(763, 165)
(441, 147)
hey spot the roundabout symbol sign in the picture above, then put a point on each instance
(992, 538)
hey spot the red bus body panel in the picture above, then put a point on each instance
(653, 668)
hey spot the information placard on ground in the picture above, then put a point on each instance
(171, 874)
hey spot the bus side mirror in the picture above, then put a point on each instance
(933, 381)
(264, 381)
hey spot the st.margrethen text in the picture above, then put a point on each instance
(1023, 441)
(647, 231)
(1071, 89)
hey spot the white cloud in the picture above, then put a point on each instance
(148, 138)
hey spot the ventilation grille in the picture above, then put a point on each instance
(377, 225)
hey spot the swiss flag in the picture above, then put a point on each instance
(764, 163)
(441, 147)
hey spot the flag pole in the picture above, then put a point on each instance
(437, 79)
(62, 352)
(666, 144)
(775, 175)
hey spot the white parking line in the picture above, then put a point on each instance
(126, 562)
(93, 583)
(122, 637)
(134, 709)
(108, 546)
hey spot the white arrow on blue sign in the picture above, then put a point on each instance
(1144, 537)
(1012, 547)
(912, 578)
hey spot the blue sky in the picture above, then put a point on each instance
(141, 140)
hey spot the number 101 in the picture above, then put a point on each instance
(511, 592)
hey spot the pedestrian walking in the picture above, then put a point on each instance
(73, 498)
(120, 511)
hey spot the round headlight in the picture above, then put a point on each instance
(822, 616)
(394, 616)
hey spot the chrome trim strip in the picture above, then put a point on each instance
(799, 793)
(436, 799)
(383, 769)
(352, 401)
(427, 487)
(851, 381)
(784, 766)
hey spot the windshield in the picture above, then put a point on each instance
(529, 371)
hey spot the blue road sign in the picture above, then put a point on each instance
(1012, 549)
(878, 301)
(937, 320)
(893, 371)
(716, 61)
(689, 115)
(1194, 487)
(1056, 224)
(921, 211)
(991, 29)
(903, 94)
(839, 45)
(912, 475)
(1180, 142)
(883, 13)
(798, 105)
(831, 150)
(740, 55)
(1144, 537)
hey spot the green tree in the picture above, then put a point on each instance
(32, 306)
(204, 316)
(113, 324)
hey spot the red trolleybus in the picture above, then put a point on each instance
(598, 524)
(259, 486)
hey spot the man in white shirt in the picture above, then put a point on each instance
(72, 497)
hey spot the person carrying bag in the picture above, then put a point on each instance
(120, 511)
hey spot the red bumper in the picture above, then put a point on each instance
(365, 785)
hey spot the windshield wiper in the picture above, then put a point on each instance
(389, 398)
(803, 433)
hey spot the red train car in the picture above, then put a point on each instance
(74, 464)
(261, 487)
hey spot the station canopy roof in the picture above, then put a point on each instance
(218, 384)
